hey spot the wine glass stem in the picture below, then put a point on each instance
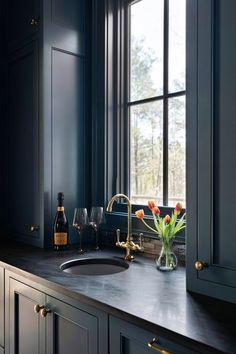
(96, 235)
(80, 242)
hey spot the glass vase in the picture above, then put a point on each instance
(167, 259)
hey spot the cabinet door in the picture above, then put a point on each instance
(23, 144)
(70, 330)
(211, 131)
(26, 328)
(129, 339)
(2, 309)
(19, 17)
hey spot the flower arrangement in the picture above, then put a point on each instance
(166, 227)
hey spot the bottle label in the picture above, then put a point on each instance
(60, 238)
(60, 208)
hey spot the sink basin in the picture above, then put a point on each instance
(94, 266)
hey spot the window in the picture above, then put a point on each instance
(154, 100)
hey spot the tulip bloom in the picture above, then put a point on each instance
(167, 219)
(140, 214)
(178, 209)
(156, 210)
(151, 204)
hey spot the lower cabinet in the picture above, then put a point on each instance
(70, 330)
(126, 338)
(26, 328)
(1, 310)
(40, 324)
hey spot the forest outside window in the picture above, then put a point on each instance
(155, 101)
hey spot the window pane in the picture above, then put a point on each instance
(176, 151)
(146, 49)
(146, 156)
(177, 34)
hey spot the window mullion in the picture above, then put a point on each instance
(165, 102)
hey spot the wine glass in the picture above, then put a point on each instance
(80, 221)
(95, 220)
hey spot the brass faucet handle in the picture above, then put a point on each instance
(118, 236)
(141, 242)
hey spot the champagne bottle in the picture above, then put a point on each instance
(60, 228)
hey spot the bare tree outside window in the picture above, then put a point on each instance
(157, 101)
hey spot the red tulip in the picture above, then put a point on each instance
(151, 204)
(156, 210)
(167, 219)
(139, 214)
(178, 209)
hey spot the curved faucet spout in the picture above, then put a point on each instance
(129, 245)
(129, 207)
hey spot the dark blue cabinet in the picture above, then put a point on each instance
(47, 114)
(211, 146)
(23, 173)
(22, 21)
(2, 308)
(126, 338)
(64, 328)
(26, 329)
(65, 108)
(70, 330)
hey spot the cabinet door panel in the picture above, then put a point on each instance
(27, 329)
(211, 163)
(70, 330)
(2, 309)
(20, 14)
(23, 142)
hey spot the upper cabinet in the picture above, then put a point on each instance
(211, 146)
(47, 115)
(23, 217)
(22, 21)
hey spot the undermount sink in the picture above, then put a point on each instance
(94, 266)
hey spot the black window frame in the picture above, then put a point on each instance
(124, 52)
(111, 173)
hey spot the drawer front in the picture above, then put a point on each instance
(126, 338)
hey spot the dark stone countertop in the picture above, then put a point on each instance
(155, 300)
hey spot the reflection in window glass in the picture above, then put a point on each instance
(146, 158)
(177, 34)
(146, 49)
(176, 151)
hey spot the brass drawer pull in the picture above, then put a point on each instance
(153, 345)
(44, 311)
(38, 308)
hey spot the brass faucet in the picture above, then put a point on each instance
(129, 245)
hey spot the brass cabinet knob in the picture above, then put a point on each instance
(38, 308)
(34, 22)
(44, 311)
(34, 228)
(199, 265)
(153, 344)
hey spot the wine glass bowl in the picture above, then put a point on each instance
(80, 221)
(96, 218)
